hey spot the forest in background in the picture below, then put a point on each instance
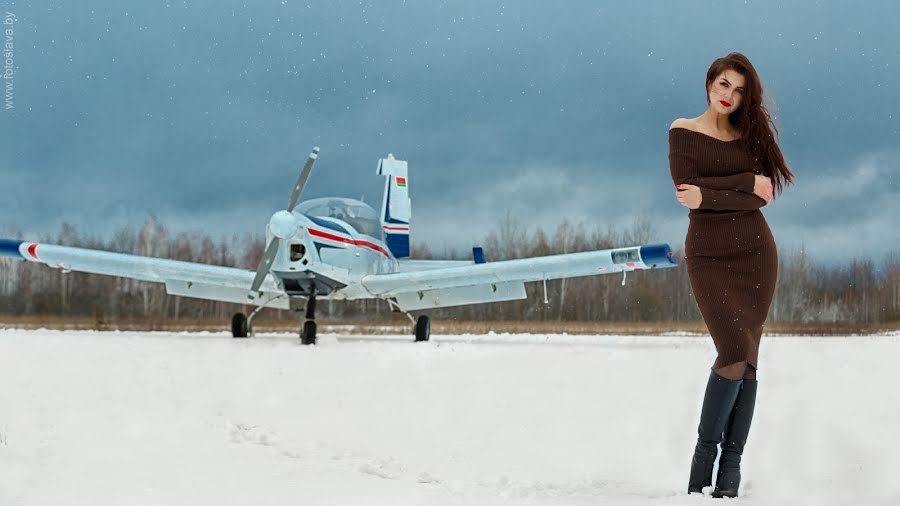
(861, 291)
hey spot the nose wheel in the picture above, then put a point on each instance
(308, 332)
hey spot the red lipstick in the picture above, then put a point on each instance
(726, 104)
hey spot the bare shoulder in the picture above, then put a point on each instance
(688, 124)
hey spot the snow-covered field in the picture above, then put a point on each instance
(91, 418)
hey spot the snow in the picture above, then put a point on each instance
(129, 418)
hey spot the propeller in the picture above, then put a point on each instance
(282, 225)
(301, 181)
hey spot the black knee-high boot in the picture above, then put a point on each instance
(728, 478)
(717, 405)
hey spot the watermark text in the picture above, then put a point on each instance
(9, 20)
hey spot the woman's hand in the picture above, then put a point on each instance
(762, 188)
(689, 195)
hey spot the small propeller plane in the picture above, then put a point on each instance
(342, 248)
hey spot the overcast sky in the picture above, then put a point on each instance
(203, 112)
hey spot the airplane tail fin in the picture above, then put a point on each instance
(396, 207)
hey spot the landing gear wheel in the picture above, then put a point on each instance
(239, 325)
(308, 334)
(423, 329)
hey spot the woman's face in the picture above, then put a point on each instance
(727, 91)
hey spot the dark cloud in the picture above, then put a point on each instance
(202, 113)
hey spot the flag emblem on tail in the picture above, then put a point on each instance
(401, 182)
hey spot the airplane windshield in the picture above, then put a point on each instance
(358, 215)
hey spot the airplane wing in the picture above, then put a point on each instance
(504, 280)
(422, 284)
(181, 278)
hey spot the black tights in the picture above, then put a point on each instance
(736, 371)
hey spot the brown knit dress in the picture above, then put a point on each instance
(729, 250)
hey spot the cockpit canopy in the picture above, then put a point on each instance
(358, 215)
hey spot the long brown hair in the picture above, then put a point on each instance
(752, 119)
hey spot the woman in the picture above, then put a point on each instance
(726, 165)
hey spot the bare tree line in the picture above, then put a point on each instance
(862, 291)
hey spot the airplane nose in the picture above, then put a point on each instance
(283, 224)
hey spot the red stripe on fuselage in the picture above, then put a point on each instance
(347, 240)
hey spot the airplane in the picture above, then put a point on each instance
(341, 248)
